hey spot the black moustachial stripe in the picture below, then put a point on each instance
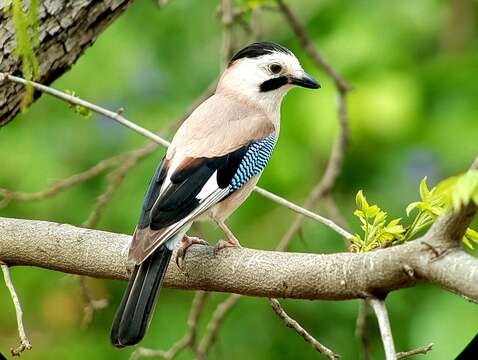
(259, 49)
(273, 84)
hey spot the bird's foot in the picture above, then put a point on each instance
(231, 238)
(184, 244)
(222, 244)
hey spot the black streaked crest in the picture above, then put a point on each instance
(258, 49)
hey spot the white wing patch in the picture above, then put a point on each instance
(204, 205)
(209, 187)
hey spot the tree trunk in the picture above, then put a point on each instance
(66, 29)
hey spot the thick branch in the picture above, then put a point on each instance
(250, 272)
(66, 29)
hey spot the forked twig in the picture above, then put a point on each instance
(189, 338)
(290, 322)
(422, 350)
(24, 341)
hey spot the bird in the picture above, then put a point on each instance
(211, 166)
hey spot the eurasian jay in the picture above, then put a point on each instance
(210, 168)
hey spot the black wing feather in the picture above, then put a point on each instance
(152, 193)
(180, 198)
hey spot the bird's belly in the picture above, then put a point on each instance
(222, 210)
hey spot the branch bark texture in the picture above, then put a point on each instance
(66, 29)
(251, 272)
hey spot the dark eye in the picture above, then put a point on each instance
(275, 68)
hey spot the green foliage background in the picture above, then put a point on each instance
(413, 112)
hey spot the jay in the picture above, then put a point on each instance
(212, 165)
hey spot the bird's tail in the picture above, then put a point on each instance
(134, 313)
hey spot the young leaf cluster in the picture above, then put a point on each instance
(80, 110)
(376, 231)
(456, 192)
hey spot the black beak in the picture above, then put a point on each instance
(305, 80)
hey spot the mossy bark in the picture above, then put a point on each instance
(66, 29)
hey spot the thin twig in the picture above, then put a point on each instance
(422, 350)
(361, 330)
(381, 313)
(90, 305)
(114, 180)
(62, 184)
(334, 213)
(227, 20)
(196, 309)
(298, 209)
(77, 101)
(24, 341)
(309, 47)
(334, 165)
(301, 331)
(213, 326)
(189, 338)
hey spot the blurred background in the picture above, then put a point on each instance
(413, 113)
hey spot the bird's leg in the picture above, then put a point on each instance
(231, 238)
(184, 244)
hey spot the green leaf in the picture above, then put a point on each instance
(359, 213)
(380, 218)
(376, 234)
(424, 192)
(80, 110)
(372, 211)
(361, 201)
(470, 236)
(412, 206)
(464, 189)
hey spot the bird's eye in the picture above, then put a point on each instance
(275, 68)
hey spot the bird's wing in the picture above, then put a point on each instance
(183, 189)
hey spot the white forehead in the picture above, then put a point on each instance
(287, 60)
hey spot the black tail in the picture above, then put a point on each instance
(133, 315)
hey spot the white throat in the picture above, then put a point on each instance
(269, 101)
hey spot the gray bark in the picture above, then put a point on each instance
(437, 258)
(66, 29)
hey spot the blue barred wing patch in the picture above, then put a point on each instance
(254, 161)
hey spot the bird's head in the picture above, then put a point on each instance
(264, 72)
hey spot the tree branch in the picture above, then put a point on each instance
(308, 45)
(213, 326)
(361, 330)
(254, 272)
(378, 306)
(301, 331)
(60, 185)
(24, 342)
(422, 350)
(189, 338)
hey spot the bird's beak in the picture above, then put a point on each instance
(305, 80)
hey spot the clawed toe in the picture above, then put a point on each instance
(185, 243)
(222, 244)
